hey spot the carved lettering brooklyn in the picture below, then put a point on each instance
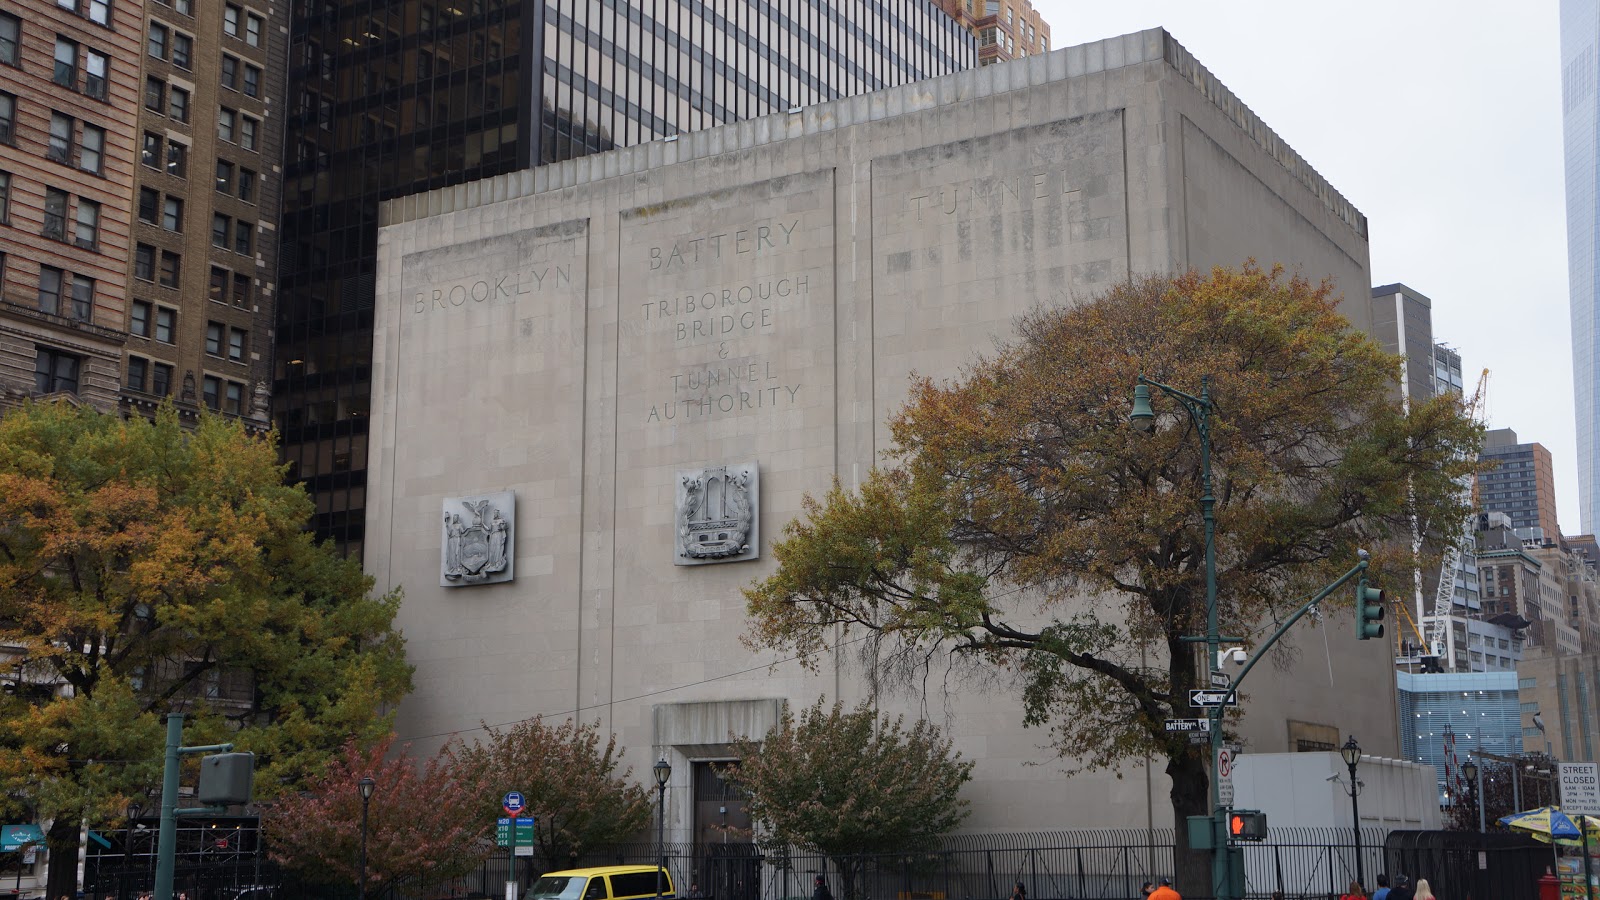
(504, 288)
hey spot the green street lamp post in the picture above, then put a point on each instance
(1143, 418)
(1351, 752)
(663, 773)
(367, 786)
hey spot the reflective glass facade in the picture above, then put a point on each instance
(391, 98)
(1481, 709)
(1580, 30)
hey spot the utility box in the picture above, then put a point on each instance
(226, 778)
(1202, 832)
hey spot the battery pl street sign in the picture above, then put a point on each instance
(1200, 698)
(1188, 725)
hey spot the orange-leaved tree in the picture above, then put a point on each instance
(147, 568)
(1023, 526)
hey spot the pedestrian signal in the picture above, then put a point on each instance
(1247, 825)
(1370, 603)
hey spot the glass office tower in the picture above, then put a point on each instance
(391, 97)
(1580, 29)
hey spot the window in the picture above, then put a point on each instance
(155, 94)
(214, 338)
(60, 146)
(236, 344)
(219, 230)
(161, 379)
(230, 72)
(243, 238)
(8, 118)
(177, 159)
(252, 81)
(139, 319)
(150, 154)
(252, 30)
(219, 284)
(5, 197)
(247, 132)
(211, 391)
(149, 203)
(96, 67)
(179, 107)
(233, 398)
(55, 370)
(10, 39)
(138, 373)
(230, 20)
(66, 72)
(241, 289)
(82, 298)
(50, 279)
(164, 324)
(144, 262)
(172, 214)
(91, 152)
(247, 185)
(158, 40)
(55, 214)
(225, 124)
(87, 233)
(171, 264)
(224, 176)
(182, 50)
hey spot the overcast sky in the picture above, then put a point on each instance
(1442, 123)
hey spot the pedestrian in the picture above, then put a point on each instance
(822, 892)
(1165, 891)
(1423, 892)
(1277, 895)
(1355, 892)
(1018, 892)
(1382, 893)
(1145, 889)
(1401, 889)
(694, 892)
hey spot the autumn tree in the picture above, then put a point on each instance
(570, 777)
(850, 784)
(424, 825)
(146, 568)
(1021, 525)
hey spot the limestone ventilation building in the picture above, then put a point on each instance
(601, 387)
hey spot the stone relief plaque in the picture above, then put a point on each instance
(718, 515)
(477, 540)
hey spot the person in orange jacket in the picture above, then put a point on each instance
(1165, 891)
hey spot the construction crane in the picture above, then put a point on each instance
(1435, 627)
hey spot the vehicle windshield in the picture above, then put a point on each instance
(556, 887)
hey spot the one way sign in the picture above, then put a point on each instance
(1212, 698)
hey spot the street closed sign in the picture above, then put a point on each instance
(1580, 788)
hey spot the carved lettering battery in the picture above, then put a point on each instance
(477, 540)
(718, 515)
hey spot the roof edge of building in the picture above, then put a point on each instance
(1135, 48)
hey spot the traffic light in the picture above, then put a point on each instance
(1247, 825)
(1370, 603)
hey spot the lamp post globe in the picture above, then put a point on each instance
(366, 786)
(663, 772)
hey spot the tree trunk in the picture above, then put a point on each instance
(1191, 796)
(62, 841)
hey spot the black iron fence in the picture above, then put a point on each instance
(1068, 865)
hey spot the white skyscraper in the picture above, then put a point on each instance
(1580, 31)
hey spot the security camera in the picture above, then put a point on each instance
(1235, 654)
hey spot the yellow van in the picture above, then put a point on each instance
(601, 883)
